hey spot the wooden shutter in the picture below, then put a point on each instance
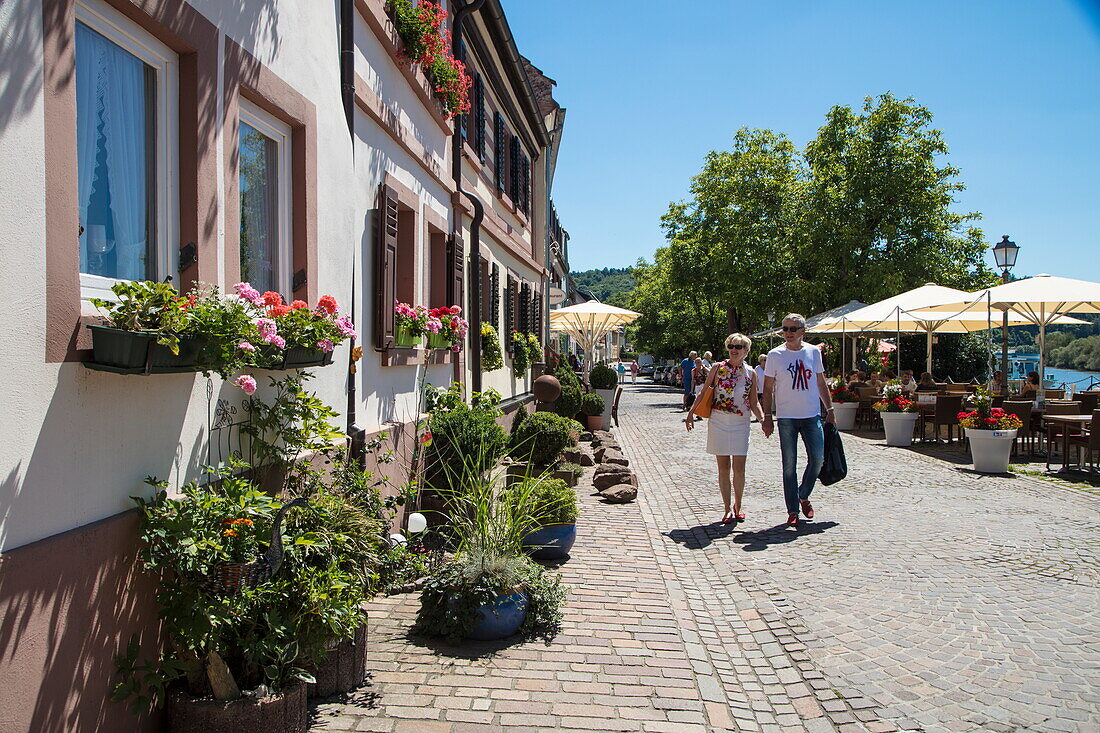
(479, 117)
(526, 192)
(513, 170)
(499, 148)
(494, 295)
(385, 267)
(536, 313)
(509, 313)
(525, 308)
(456, 267)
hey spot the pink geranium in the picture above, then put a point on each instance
(326, 345)
(245, 382)
(249, 293)
(245, 346)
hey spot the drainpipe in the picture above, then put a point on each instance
(356, 434)
(462, 9)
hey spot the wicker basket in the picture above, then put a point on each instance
(228, 578)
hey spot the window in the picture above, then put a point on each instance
(126, 151)
(264, 180)
(499, 146)
(396, 257)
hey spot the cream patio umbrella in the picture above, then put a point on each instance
(589, 322)
(1042, 300)
(898, 315)
(833, 315)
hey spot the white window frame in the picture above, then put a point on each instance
(119, 29)
(274, 128)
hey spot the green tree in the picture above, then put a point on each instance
(877, 217)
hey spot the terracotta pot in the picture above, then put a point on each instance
(595, 422)
(344, 669)
(285, 713)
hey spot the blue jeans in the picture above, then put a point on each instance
(814, 439)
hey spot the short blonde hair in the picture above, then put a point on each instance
(738, 338)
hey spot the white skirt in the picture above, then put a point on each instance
(727, 434)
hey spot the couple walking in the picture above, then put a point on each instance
(794, 382)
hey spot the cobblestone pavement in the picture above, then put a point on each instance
(923, 597)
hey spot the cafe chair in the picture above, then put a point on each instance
(1022, 410)
(1089, 442)
(948, 407)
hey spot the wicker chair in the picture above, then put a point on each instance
(1089, 442)
(947, 411)
(1060, 408)
(868, 396)
(1090, 402)
(1021, 409)
(1055, 394)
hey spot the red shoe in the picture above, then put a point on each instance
(807, 508)
(792, 520)
(740, 516)
(728, 518)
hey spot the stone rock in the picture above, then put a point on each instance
(608, 475)
(615, 458)
(604, 454)
(586, 437)
(585, 459)
(619, 493)
(571, 455)
(602, 435)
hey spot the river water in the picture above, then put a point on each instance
(1081, 379)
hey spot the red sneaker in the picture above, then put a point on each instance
(807, 508)
(792, 520)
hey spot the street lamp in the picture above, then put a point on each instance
(1004, 254)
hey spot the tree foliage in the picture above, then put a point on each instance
(865, 212)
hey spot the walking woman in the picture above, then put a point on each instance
(735, 397)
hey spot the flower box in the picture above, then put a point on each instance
(403, 339)
(439, 341)
(990, 450)
(899, 427)
(294, 357)
(137, 352)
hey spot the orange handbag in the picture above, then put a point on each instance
(706, 401)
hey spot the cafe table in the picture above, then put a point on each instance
(1067, 423)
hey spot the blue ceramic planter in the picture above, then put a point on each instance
(551, 542)
(501, 618)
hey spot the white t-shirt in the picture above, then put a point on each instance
(759, 379)
(795, 372)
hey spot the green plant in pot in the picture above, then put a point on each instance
(592, 407)
(541, 438)
(489, 589)
(147, 328)
(604, 382)
(555, 503)
(239, 641)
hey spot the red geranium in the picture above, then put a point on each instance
(299, 305)
(272, 298)
(327, 303)
(278, 310)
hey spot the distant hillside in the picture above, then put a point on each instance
(605, 282)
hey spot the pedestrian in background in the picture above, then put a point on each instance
(686, 366)
(795, 379)
(734, 399)
(622, 372)
(634, 371)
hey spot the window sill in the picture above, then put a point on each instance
(416, 357)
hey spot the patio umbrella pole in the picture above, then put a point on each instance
(928, 351)
(1042, 348)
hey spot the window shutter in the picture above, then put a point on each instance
(385, 267)
(499, 143)
(456, 267)
(494, 295)
(526, 186)
(536, 313)
(509, 313)
(525, 308)
(513, 170)
(479, 117)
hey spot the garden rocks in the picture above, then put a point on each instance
(586, 437)
(585, 459)
(619, 493)
(609, 474)
(611, 454)
(571, 455)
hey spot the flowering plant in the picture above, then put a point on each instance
(414, 319)
(491, 356)
(534, 348)
(297, 326)
(521, 355)
(428, 43)
(452, 325)
(894, 399)
(841, 393)
(986, 417)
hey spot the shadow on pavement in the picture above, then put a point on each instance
(702, 535)
(780, 534)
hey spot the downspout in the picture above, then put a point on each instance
(460, 11)
(356, 434)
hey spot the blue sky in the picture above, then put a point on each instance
(651, 87)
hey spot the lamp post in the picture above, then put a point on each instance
(1004, 254)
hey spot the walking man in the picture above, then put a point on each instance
(634, 371)
(686, 367)
(794, 377)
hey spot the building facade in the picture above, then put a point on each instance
(280, 142)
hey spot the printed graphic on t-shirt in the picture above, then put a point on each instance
(800, 376)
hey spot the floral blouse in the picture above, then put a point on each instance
(732, 386)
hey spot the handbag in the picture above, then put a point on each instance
(835, 466)
(706, 401)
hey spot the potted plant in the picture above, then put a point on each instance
(603, 381)
(446, 328)
(556, 504)
(898, 413)
(991, 432)
(521, 355)
(301, 336)
(534, 349)
(492, 358)
(421, 27)
(243, 615)
(147, 330)
(592, 405)
(540, 439)
(845, 405)
(410, 325)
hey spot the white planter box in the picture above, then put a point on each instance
(990, 449)
(845, 414)
(899, 427)
(608, 402)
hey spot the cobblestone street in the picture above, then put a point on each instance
(922, 597)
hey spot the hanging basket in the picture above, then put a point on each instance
(229, 578)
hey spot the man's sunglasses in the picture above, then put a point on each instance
(792, 329)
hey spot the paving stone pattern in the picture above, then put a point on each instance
(922, 597)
